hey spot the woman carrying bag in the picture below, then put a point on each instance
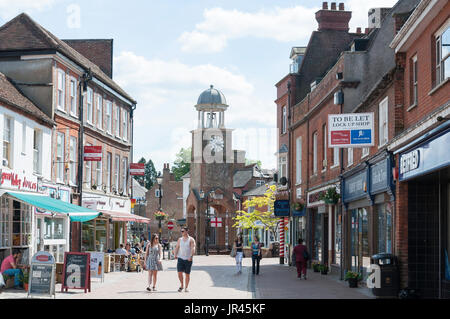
(256, 255)
(153, 255)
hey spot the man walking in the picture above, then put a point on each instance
(301, 257)
(184, 252)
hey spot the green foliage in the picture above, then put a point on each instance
(246, 219)
(352, 275)
(149, 179)
(330, 196)
(249, 162)
(182, 163)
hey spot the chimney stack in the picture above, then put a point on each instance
(366, 30)
(333, 19)
(358, 30)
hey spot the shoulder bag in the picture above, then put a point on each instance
(233, 252)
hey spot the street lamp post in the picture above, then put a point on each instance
(159, 180)
(203, 196)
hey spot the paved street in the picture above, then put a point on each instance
(214, 277)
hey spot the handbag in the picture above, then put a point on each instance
(159, 265)
(233, 252)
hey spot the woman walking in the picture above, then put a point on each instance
(238, 244)
(153, 255)
(256, 255)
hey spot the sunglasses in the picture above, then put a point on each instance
(183, 231)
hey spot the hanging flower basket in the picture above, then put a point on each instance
(298, 206)
(330, 196)
(160, 215)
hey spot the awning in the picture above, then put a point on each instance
(46, 203)
(125, 217)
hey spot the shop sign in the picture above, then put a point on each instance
(76, 271)
(380, 176)
(55, 191)
(429, 156)
(350, 130)
(92, 153)
(42, 275)
(355, 187)
(16, 180)
(281, 208)
(97, 265)
(137, 169)
(97, 202)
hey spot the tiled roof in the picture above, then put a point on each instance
(23, 34)
(258, 191)
(242, 177)
(10, 95)
(138, 190)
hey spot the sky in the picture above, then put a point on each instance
(167, 52)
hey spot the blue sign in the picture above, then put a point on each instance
(299, 213)
(355, 187)
(360, 136)
(380, 176)
(429, 156)
(281, 208)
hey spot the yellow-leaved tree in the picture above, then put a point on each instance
(248, 218)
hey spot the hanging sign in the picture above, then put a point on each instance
(281, 208)
(76, 271)
(93, 153)
(350, 130)
(137, 169)
(42, 275)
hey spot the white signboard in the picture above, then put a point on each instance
(16, 180)
(350, 130)
(97, 265)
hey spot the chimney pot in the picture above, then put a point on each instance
(325, 5)
(333, 6)
(366, 30)
(341, 6)
(358, 30)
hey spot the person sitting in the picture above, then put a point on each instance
(10, 267)
(121, 250)
(130, 250)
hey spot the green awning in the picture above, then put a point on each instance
(46, 203)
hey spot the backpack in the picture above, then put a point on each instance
(305, 255)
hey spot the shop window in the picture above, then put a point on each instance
(100, 234)
(338, 238)
(54, 228)
(360, 240)
(21, 225)
(88, 236)
(317, 245)
(4, 223)
(384, 229)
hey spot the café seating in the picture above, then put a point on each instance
(118, 262)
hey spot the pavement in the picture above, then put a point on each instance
(214, 277)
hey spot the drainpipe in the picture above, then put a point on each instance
(290, 150)
(341, 159)
(133, 107)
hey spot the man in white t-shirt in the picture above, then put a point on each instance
(121, 250)
(184, 252)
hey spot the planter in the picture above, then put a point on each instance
(25, 286)
(353, 282)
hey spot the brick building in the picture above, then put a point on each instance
(89, 109)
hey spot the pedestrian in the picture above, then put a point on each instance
(238, 245)
(256, 255)
(184, 252)
(153, 260)
(10, 267)
(301, 257)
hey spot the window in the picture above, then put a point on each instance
(88, 175)
(125, 175)
(384, 229)
(108, 116)
(383, 122)
(61, 90)
(283, 167)
(335, 156)
(284, 121)
(99, 174)
(37, 151)
(324, 133)
(7, 142)
(117, 121)
(108, 171)
(443, 53)
(315, 153)
(73, 97)
(260, 183)
(364, 152)
(60, 157)
(99, 112)
(116, 173)
(73, 162)
(349, 156)
(414, 81)
(89, 105)
(5, 218)
(21, 225)
(24, 137)
(125, 125)
(298, 169)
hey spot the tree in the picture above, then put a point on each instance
(249, 162)
(182, 163)
(149, 178)
(247, 219)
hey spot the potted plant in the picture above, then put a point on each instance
(159, 215)
(25, 280)
(352, 278)
(330, 196)
(316, 266)
(323, 268)
(298, 206)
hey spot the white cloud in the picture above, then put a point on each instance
(166, 92)
(10, 8)
(220, 25)
(360, 11)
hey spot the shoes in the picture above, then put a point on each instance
(186, 290)
(304, 277)
(148, 289)
(180, 289)
(154, 289)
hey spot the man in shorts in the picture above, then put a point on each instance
(184, 252)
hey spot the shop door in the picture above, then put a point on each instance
(325, 239)
(360, 240)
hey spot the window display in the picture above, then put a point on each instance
(338, 238)
(317, 236)
(360, 240)
(384, 229)
(4, 223)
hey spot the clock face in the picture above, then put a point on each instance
(216, 143)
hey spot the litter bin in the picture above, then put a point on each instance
(389, 275)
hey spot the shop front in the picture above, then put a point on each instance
(424, 175)
(112, 227)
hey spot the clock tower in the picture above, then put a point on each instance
(213, 163)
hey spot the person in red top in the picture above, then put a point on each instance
(300, 260)
(9, 267)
